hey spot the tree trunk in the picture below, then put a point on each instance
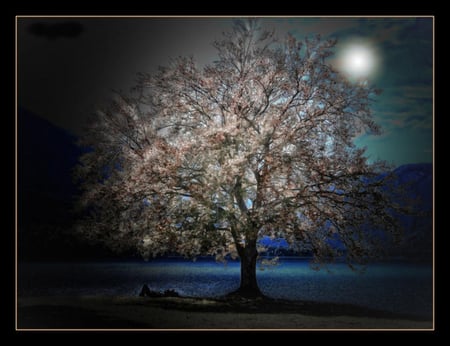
(249, 286)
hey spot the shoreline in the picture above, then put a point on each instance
(180, 313)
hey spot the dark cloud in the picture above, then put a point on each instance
(52, 31)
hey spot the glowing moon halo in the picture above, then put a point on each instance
(358, 60)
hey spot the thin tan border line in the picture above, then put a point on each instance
(17, 17)
(15, 177)
(217, 16)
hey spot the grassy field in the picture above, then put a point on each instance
(120, 312)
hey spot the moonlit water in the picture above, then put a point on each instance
(397, 287)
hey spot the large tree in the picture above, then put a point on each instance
(259, 143)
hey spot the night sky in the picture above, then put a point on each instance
(69, 66)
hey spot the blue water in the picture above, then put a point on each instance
(397, 287)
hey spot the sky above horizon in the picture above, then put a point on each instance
(66, 70)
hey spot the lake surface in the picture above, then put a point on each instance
(397, 287)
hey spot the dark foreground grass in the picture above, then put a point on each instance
(197, 313)
(69, 317)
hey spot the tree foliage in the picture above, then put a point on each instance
(207, 160)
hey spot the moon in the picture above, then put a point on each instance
(358, 60)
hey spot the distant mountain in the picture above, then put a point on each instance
(418, 236)
(46, 157)
(420, 176)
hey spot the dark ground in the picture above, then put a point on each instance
(198, 313)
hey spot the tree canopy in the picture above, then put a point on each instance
(207, 160)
